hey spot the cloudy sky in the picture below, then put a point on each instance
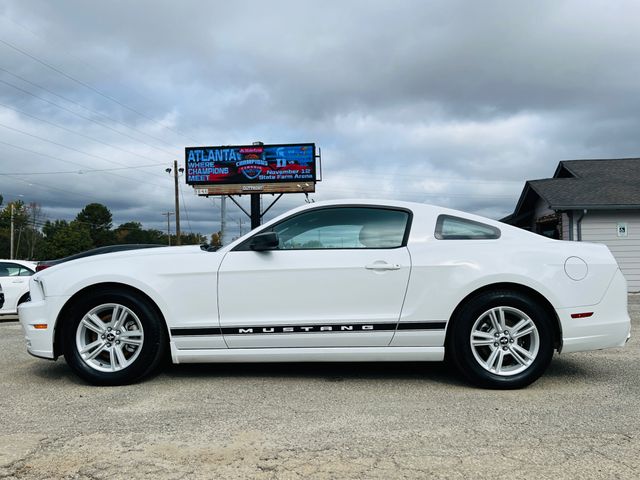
(445, 102)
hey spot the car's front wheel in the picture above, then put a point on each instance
(501, 339)
(113, 337)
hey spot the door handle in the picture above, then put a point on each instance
(17, 281)
(383, 266)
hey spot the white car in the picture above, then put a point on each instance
(14, 278)
(336, 281)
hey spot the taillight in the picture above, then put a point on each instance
(39, 268)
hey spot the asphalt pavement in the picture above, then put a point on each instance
(580, 420)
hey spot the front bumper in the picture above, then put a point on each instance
(39, 340)
(609, 326)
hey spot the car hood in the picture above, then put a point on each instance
(129, 255)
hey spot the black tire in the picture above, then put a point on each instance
(150, 354)
(467, 359)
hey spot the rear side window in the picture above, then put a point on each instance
(449, 227)
(8, 269)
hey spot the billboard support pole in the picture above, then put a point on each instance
(255, 211)
(272, 204)
(239, 206)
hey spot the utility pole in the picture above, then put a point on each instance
(175, 181)
(239, 220)
(168, 215)
(34, 210)
(11, 249)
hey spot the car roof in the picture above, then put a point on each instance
(423, 208)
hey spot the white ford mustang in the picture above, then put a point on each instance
(336, 281)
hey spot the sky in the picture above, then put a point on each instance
(452, 103)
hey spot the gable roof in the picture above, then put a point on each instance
(578, 184)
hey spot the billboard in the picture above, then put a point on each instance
(251, 168)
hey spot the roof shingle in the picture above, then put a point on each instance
(605, 183)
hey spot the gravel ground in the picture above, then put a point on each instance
(581, 420)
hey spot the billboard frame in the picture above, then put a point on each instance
(267, 187)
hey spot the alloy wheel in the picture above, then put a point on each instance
(504, 341)
(109, 337)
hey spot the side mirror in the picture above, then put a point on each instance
(264, 241)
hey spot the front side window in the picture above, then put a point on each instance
(344, 227)
(449, 227)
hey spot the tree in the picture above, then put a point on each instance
(126, 232)
(92, 227)
(132, 232)
(216, 239)
(64, 239)
(49, 229)
(34, 237)
(20, 226)
(192, 238)
(98, 219)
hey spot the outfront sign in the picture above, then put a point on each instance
(247, 168)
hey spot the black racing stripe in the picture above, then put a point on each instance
(290, 329)
(422, 326)
(179, 332)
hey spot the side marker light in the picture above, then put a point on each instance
(581, 315)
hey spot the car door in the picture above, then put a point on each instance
(337, 278)
(14, 279)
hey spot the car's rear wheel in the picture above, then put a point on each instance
(113, 337)
(501, 339)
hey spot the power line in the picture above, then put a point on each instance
(70, 100)
(66, 52)
(416, 193)
(93, 89)
(39, 223)
(104, 125)
(42, 154)
(107, 171)
(78, 151)
(72, 162)
(80, 172)
(42, 222)
(21, 112)
(67, 192)
(184, 205)
(434, 177)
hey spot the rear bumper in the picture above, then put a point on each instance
(39, 340)
(609, 326)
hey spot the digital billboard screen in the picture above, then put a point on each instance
(251, 164)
